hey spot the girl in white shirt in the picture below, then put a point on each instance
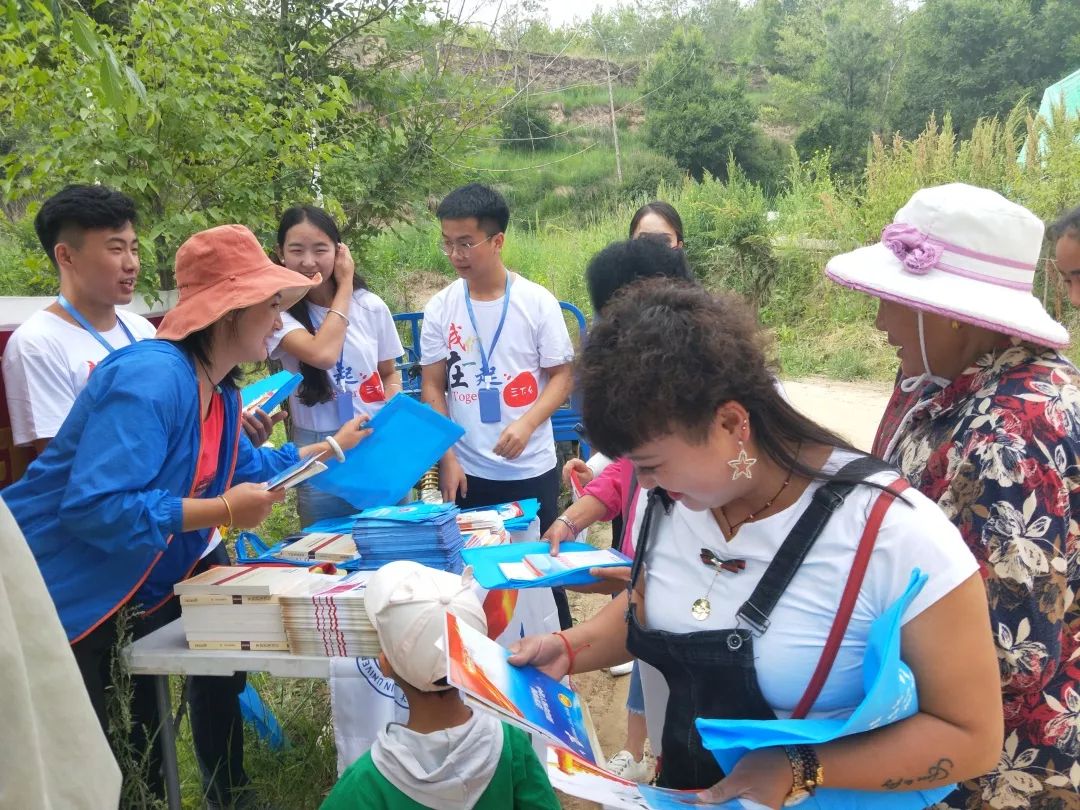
(729, 603)
(340, 337)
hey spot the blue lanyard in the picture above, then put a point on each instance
(85, 324)
(485, 371)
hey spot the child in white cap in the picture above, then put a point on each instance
(447, 756)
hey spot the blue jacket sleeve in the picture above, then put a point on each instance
(263, 463)
(114, 496)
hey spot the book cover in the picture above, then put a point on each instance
(331, 547)
(241, 580)
(478, 666)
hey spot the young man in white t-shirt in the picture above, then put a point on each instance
(88, 233)
(495, 357)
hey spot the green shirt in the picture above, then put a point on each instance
(519, 781)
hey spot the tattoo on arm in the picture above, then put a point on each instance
(938, 772)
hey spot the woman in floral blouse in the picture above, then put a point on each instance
(993, 436)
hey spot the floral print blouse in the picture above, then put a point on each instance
(999, 451)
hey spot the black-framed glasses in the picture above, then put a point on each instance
(462, 248)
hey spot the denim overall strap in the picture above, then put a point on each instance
(756, 610)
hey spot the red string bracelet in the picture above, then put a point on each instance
(570, 654)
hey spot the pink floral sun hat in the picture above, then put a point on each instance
(962, 252)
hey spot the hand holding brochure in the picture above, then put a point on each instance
(575, 777)
(269, 392)
(299, 472)
(523, 696)
(530, 565)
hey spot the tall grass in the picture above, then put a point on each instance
(771, 250)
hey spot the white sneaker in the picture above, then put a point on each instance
(621, 669)
(624, 765)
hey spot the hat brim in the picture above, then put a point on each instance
(205, 307)
(876, 271)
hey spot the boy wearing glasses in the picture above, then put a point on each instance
(495, 357)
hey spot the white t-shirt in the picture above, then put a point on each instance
(534, 338)
(917, 536)
(369, 339)
(47, 363)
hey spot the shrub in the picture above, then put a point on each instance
(527, 128)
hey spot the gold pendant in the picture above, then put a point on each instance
(701, 609)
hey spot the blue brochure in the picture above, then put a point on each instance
(530, 565)
(406, 439)
(890, 696)
(524, 696)
(271, 391)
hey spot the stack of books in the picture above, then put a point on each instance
(322, 547)
(426, 533)
(236, 607)
(329, 618)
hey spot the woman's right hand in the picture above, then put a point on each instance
(583, 470)
(545, 652)
(558, 532)
(353, 432)
(250, 504)
(344, 266)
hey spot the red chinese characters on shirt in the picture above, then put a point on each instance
(455, 338)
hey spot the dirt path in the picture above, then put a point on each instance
(852, 410)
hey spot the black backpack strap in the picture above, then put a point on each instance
(756, 610)
(657, 499)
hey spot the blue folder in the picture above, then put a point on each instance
(283, 383)
(406, 439)
(485, 562)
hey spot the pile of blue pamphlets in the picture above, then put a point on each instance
(426, 533)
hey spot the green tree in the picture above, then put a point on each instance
(974, 58)
(203, 117)
(839, 59)
(691, 114)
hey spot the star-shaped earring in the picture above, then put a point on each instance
(741, 465)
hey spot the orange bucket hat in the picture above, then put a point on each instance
(222, 269)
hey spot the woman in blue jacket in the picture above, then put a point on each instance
(122, 504)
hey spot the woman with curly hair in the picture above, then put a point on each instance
(756, 519)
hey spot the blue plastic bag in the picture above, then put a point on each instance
(890, 696)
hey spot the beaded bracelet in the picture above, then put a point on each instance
(569, 523)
